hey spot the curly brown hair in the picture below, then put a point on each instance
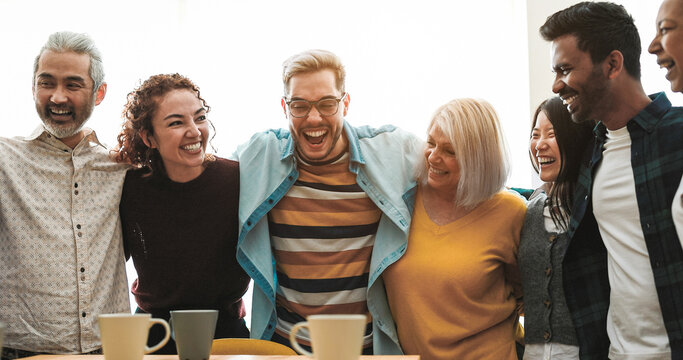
(138, 113)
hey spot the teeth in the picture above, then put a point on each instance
(192, 147)
(436, 171)
(60, 111)
(666, 64)
(545, 160)
(315, 133)
(569, 100)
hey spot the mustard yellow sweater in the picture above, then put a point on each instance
(455, 291)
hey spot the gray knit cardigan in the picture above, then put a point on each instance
(546, 316)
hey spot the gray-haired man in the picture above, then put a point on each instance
(61, 256)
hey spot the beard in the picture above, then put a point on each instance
(593, 98)
(64, 129)
(334, 139)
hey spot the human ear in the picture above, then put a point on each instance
(615, 62)
(99, 95)
(148, 139)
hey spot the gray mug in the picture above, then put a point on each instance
(193, 332)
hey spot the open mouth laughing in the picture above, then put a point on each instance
(667, 64)
(545, 160)
(315, 137)
(568, 100)
(435, 171)
(60, 113)
(192, 147)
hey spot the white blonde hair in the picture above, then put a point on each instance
(473, 130)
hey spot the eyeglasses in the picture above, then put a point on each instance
(326, 107)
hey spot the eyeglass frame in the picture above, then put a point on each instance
(314, 103)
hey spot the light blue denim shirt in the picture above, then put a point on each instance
(384, 162)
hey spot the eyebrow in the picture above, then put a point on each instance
(170, 116)
(68, 78)
(659, 23)
(559, 67)
(322, 98)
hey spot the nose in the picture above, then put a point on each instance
(58, 96)
(314, 115)
(558, 84)
(655, 46)
(193, 131)
(541, 144)
(434, 155)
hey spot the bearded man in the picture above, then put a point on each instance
(61, 255)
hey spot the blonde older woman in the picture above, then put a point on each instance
(454, 294)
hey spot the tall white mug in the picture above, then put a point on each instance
(124, 336)
(333, 337)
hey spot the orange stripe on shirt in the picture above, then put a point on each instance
(324, 271)
(322, 258)
(300, 218)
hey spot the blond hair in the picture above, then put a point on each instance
(473, 129)
(310, 61)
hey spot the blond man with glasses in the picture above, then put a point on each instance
(324, 208)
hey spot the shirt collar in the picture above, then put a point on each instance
(647, 118)
(653, 112)
(41, 132)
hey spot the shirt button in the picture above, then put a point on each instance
(75, 192)
(83, 314)
(552, 238)
(75, 185)
(80, 234)
(585, 197)
(82, 277)
(548, 270)
(546, 335)
(78, 226)
(82, 269)
(547, 303)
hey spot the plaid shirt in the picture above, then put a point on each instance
(657, 161)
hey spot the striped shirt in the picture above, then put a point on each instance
(322, 233)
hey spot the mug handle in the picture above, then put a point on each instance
(163, 341)
(292, 338)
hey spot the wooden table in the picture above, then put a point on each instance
(218, 357)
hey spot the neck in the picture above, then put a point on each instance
(441, 208)
(73, 140)
(185, 175)
(627, 101)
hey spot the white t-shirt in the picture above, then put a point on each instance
(634, 321)
(677, 211)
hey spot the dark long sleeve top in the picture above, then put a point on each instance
(182, 237)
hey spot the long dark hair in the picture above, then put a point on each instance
(572, 140)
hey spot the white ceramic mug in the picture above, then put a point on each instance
(193, 332)
(333, 337)
(124, 336)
